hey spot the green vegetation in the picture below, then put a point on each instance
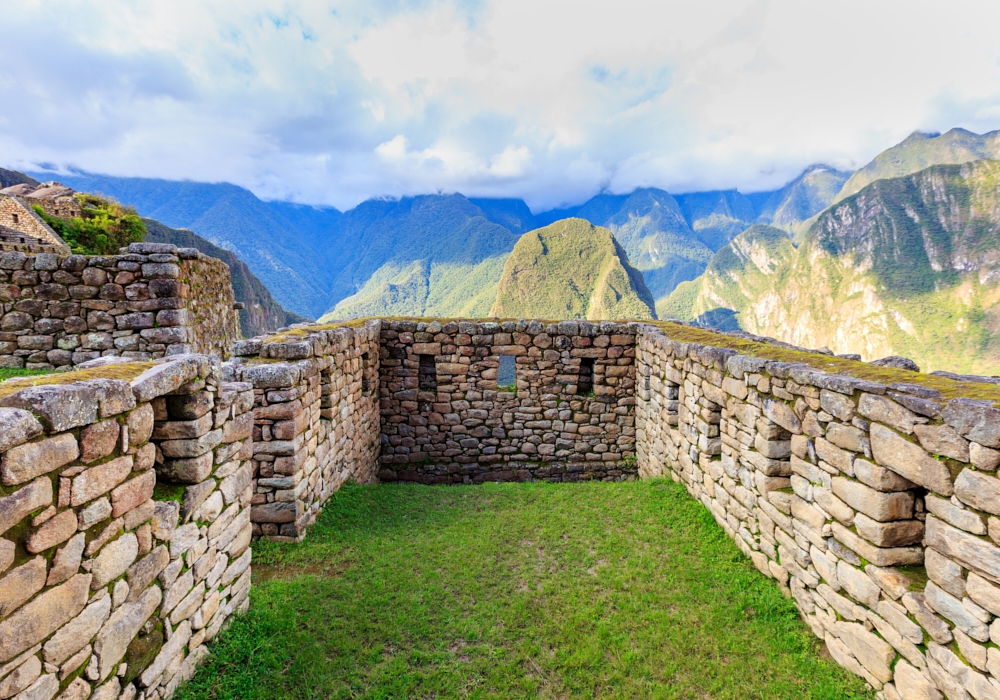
(907, 266)
(123, 370)
(6, 374)
(920, 151)
(625, 590)
(104, 227)
(571, 269)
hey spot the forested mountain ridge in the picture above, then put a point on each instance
(571, 269)
(907, 266)
(919, 151)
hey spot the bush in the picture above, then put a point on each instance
(105, 226)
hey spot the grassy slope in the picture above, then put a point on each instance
(510, 591)
(878, 274)
(571, 269)
(920, 151)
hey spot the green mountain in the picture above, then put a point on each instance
(9, 178)
(907, 266)
(716, 217)
(291, 248)
(919, 151)
(260, 313)
(802, 198)
(571, 269)
(433, 255)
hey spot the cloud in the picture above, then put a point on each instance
(337, 101)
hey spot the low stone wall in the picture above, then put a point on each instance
(873, 506)
(315, 420)
(156, 300)
(124, 527)
(453, 424)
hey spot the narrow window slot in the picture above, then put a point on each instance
(585, 380)
(507, 373)
(428, 373)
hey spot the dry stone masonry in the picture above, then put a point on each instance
(566, 414)
(124, 527)
(315, 420)
(130, 494)
(152, 301)
(874, 506)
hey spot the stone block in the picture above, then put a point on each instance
(898, 533)
(132, 493)
(121, 628)
(60, 407)
(886, 411)
(98, 440)
(967, 520)
(100, 479)
(875, 504)
(21, 503)
(942, 440)
(32, 459)
(979, 490)
(42, 616)
(55, 531)
(968, 550)
(16, 427)
(977, 421)
(909, 460)
(22, 582)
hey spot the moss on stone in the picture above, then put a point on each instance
(126, 371)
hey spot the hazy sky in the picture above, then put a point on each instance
(335, 102)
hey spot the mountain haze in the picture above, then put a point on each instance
(802, 198)
(907, 266)
(571, 269)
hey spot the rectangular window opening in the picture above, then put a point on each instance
(585, 380)
(428, 373)
(15, 219)
(507, 373)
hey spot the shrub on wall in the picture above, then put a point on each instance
(105, 226)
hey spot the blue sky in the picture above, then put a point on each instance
(335, 102)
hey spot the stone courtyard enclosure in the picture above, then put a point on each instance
(621, 590)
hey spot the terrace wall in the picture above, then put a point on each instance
(124, 527)
(155, 300)
(873, 506)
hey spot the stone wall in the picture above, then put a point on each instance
(17, 215)
(124, 527)
(873, 506)
(153, 301)
(453, 424)
(315, 420)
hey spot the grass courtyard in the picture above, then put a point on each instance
(516, 591)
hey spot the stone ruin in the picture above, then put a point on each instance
(131, 492)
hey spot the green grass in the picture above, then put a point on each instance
(516, 591)
(6, 374)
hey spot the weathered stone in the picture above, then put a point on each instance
(782, 414)
(874, 653)
(27, 461)
(959, 517)
(55, 531)
(144, 571)
(875, 504)
(186, 429)
(67, 560)
(20, 584)
(21, 503)
(140, 424)
(42, 616)
(186, 471)
(95, 512)
(114, 559)
(968, 550)
(912, 685)
(983, 592)
(233, 485)
(855, 582)
(898, 533)
(22, 677)
(979, 490)
(98, 440)
(167, 377)
(944, 572)
(121, 628)
(909, 460)
(98, 480)
(17, 426)
(44, 688)
(977, 421)
(186, 449)
(943, 440)
(180, 638)
(951, 608)
(183, 538)
(885, 410)
(78, 632)
(274, 513)
(834, 456)
(133, 492)
(879, 556)
(61, 407)
(937, 628)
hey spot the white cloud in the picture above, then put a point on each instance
(338, 101)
